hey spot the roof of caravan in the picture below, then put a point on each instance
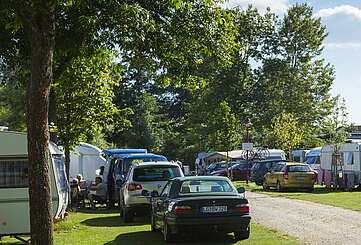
(124, 151)
(16, 144)
(87, 149)
(13, 143)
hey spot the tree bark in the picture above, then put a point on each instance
(41, 29)
(67, 159)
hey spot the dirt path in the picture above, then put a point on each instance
(311, 223)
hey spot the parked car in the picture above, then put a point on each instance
(239, 171)
(290, 175)
(148, 176)
(200, 203)
(260, 168)
(218, 166)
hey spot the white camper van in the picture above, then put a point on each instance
(85, 159)
(14, 197)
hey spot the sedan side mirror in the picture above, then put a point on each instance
(241, 190)
(145, 193)
(154, 194)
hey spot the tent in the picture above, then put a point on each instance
(85, 159)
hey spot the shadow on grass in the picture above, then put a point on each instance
(148, 237)
(113, 221)
(96, 211)
(298, 192)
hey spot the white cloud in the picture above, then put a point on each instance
(342, 9)
(277, 6)
(343, 45)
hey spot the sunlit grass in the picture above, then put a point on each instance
(103, 227)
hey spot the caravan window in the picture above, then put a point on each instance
(14, 173)
(348, 158)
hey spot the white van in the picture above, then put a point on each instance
(14, 191)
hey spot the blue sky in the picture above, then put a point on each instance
(342, 46)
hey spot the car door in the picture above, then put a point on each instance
(161, 204)
(271, 177)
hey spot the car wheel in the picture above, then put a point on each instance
(310, 189)
(278, 186)
(127, 215)
(153, 226)
(242, 235)
(167, 235)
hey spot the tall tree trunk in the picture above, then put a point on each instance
(67, 159)
(41, 29)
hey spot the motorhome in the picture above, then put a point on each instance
(14, 188)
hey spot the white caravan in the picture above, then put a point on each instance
(349, 170)
(86, 160)
(14, 191)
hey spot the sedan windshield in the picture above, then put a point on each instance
(156, 173)
(206, 187)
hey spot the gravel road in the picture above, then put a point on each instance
(311, 223)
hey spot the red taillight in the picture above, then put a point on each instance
(181, 210)
(242, 208)
(134, 187)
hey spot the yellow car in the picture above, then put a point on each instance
(290, 175)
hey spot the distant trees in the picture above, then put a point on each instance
(185, 74)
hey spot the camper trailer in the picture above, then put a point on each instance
(86, 159)
(348, 169)
(14, 197)
(299, 155)
(312, 158)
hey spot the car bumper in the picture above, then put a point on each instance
(222, 224)
(298, 186)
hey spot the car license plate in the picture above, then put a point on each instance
(214, 209)
(300, 178)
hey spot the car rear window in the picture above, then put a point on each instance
(299, 168)
(156, 173)
(205, 186)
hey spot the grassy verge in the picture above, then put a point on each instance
(344, 199)
(103, 227)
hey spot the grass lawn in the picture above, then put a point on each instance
(104, 227)
(344, 199)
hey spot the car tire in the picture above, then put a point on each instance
(153, 226)
(310, 189)
(168, 237)
(241, 235)
(278, 186)
(127, 215)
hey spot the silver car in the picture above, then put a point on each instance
(148, 176)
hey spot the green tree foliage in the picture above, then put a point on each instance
(336, 127)
(286, 132)
(12, 107)
(85, 99)
(147, 124)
